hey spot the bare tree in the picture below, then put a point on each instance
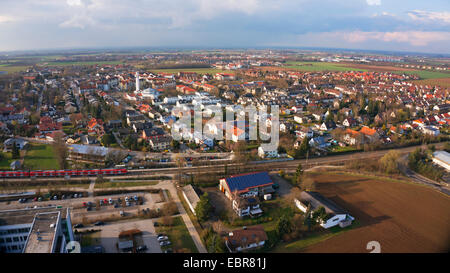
(60, 150)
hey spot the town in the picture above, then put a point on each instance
(89, 153)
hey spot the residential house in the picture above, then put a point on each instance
(160, 143)
(11, 142)
(247, 207)
(267, 152)
(245, 239)
(259, 183)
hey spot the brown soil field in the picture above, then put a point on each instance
(402, 217)
(442, 82)
(377, 68)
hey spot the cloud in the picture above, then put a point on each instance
(74, 3)
(414, 38)
(6, 19)
(430, 16)
(373, 2)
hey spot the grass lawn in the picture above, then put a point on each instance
(40, 157)
(6, 161)
(339, 149)
(320, 66)
(315, 238)
(124, 184)
(178, 235)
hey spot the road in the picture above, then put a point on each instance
(403, 166)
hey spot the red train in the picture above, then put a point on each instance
(61, 173)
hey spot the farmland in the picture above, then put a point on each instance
(320, 66)
(12, 68)
(442, 82)
(402, 217)
(80, 63)
(197, 70)
(425, 74)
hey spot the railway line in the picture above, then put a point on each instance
(253, 166)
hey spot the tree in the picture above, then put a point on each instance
(388, 163)
(203, 208)
(60, 150)
(107, 140)
(284, 225)
(304, 147)
(319, 214)
(15, 152)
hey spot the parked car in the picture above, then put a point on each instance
(84, 204)
(164, 243)
(99, 223)
(78, 226)
(39, 199)
(141, 248)
(162, 238)
(135, 198)
(169, 250)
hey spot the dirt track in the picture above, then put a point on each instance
(401, 217)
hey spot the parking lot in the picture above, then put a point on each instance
(109, 235)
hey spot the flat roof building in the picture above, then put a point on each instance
(37, 230)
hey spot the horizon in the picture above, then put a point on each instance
(150, 49)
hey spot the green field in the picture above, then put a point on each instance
(320, 66)
(13, 68)
(312, 239)
(68, 63)
(40, 157)
(6, 161)
(425, 74)
(178, 235)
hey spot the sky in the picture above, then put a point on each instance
(394, 25)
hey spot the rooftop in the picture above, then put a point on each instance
(42, 233)
(317, 200)
(442, 156)
(88, 149)
(246, 181)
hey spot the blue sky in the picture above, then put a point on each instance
(401, 25)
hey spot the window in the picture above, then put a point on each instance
(8, 240)
(15, 239)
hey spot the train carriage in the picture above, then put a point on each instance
(61, 173)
